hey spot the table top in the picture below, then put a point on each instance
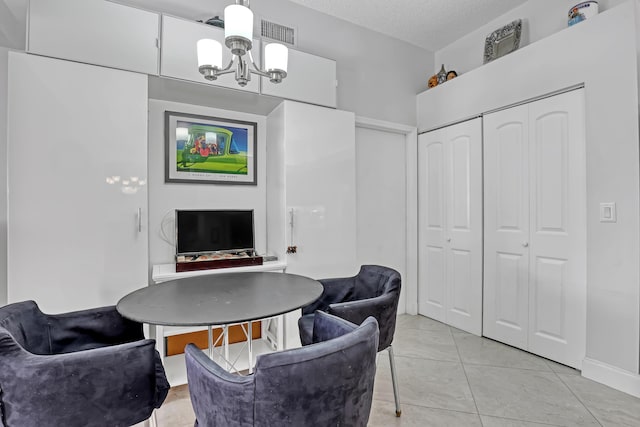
(219, 299)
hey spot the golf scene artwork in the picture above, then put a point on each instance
(202, 149)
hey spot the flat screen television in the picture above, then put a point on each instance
(208, 231)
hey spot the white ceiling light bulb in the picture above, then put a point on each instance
(276, 56)
(209, 53)
(238, 22)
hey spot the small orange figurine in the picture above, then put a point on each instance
(433, 81)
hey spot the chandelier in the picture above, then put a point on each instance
(238, 36)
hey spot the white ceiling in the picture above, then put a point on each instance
(430, 24)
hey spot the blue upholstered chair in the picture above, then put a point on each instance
(374, 291)
(86, 368)
(324, 384)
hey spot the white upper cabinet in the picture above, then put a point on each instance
(95, 32)
(180, 58)
(310, 79)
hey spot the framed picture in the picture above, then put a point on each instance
(209, 150)
(502, 41)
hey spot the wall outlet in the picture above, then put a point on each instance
(608, 212)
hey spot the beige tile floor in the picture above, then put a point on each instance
(451, 378)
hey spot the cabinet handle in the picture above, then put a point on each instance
(448, 239)
(525, 244)
(139, 220)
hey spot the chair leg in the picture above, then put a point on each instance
(153, 419)
(394, 380)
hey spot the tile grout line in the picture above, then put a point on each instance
(435, 408)
(466, 377)
(521, 421)
(577, 397)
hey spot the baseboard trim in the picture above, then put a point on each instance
(611, 376)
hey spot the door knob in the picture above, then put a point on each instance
(448, 239)
(525, 244)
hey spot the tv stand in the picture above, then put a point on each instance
(214, 261)
(164, 272)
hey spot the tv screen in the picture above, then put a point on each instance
(201, 231)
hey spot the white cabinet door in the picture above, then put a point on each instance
(535, 227)
(506, 235)
(311, 175)
(310, 79)
(96, 32)
(450, 206)
(557, 276)
(77, 237)
(180, 57)
(320, 188)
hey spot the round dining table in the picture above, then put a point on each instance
(221, 299)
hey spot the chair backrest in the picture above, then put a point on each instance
(375, 280)
(385, 283)
(27, 325)
(328, 383)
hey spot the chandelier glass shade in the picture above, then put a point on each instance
(238, 36)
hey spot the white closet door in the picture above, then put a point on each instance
(557, 274)
(381, 238)
(431, 207)
(77, 238)
(506, 234)
(450, 212)
(464, 226)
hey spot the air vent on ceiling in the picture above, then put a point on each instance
(278, 32)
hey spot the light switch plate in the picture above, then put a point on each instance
(608, 212)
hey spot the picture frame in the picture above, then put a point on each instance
(210, 150)
(502, 41)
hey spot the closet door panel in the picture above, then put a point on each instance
(464, 226)
(557, 290)
(450, 212)
(431, 185)
(548, 295)
(506, 219)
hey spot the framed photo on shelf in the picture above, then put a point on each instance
(502, 41)
(209, 150)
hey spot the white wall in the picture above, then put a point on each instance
(4, 78)
(541, 18)
(164, 198)
(603, 57)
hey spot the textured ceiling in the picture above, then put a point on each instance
(431, 24)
